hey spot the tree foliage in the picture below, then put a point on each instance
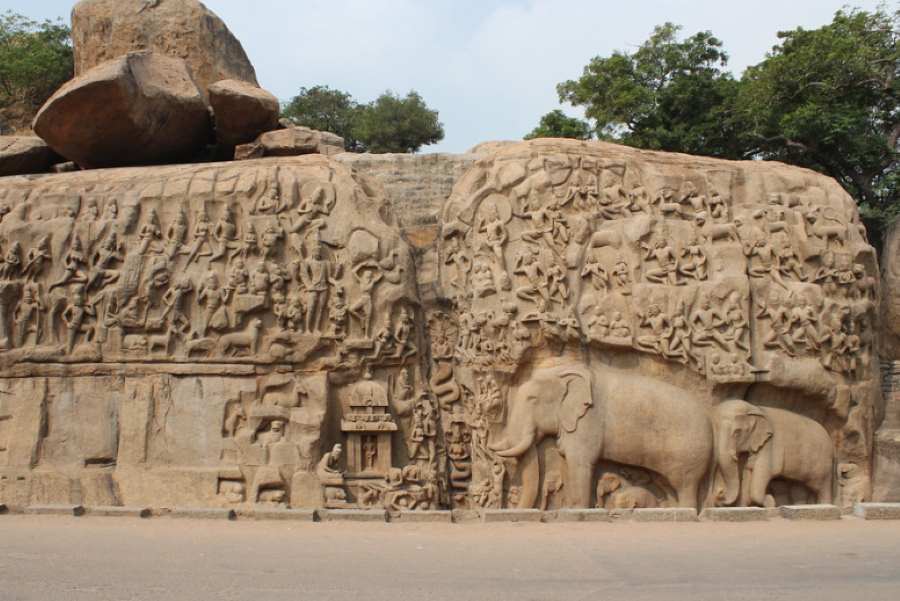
(390, 123)
(395, 124)
(35, 59)
(325, 109)
(827, 99)
(823, 98)
(556, 124)
(670, 94)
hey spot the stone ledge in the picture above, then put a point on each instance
(297, 515)
(199, 513)
(74, 510)
(110, 511)
(465, 516)
(577, 515)
(810, 512)
(420, 517)
(664, 514)
(351, 515)
(734, 514)
(877, 511)
(511, 515)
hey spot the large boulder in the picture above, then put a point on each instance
(105, 29)
(141, 108)
(242, 110)
(20, 155)
(292, 141)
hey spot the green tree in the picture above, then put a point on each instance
(395, 124)
(556, 124)
(325, 109)
(669, 94)
(827, 99)
(35, 59)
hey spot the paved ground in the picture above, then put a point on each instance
(127, 559)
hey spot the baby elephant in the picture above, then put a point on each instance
(615, 492)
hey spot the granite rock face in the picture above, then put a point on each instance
(291, 141)
(103, 30)
(242, 111)
(141, 108)
(887, 442)
(546, 324)
(20, 155)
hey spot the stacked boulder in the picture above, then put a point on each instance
(156, 83)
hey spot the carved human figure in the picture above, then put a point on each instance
(225, 235)
(662, 264)
(482, 278)
(778, 312)
(174, 301)
(200, 238)
(213, 297)
(693, 262)
(528, 264)
(405, 347)
(76, 319)
(175, 235)
(657, 322)
(151, 230)
(38, 257)
(29, 315)
(314, 275)
(594, 268)
(74, 262)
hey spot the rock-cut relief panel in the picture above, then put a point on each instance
(286, 274)
(609, 303)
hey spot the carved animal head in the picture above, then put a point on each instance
(609, 483)
(742, 429)
(550, 403)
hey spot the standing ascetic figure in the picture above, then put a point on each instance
(670, 292)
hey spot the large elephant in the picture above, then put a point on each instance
(618, 417)
(770, 443)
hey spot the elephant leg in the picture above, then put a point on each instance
(687, 493)
(824, 494)
(758, 485)
(529, 468)
(578, 483)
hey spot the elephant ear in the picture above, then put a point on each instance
(576, 399)
(761, 430)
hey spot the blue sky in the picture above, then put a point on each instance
(490, 67)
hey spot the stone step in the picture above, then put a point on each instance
(734, 514)
(111, 511)
(200, 513)
(877, 511)
(351, 515)
(75, 510)
(810, 512)
(511, 515)
(577, 515)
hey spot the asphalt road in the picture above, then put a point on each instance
(128, 559)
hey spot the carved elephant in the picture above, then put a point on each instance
(618, 417)
(621, 494)
(770, 443)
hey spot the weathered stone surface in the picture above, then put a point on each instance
(511, 515)
(887, 440)
(20, 155)
(242, 111)
(269, 334)
(664, 514)
(420, 517)
(734, 514)
(352, 515)
(200, 513)
(103, 30)
(877, 511)
(577, 515)
(73, 510)
(810, 512)
(138, 109)
(112, 511)
(293, 141)
(294, 515)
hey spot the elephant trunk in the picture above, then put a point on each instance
(519, 449)
(727, 459)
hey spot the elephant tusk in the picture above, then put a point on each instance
(499, 445)
(519, 449)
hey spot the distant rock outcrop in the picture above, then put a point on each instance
(138, 109)
(105, 29)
